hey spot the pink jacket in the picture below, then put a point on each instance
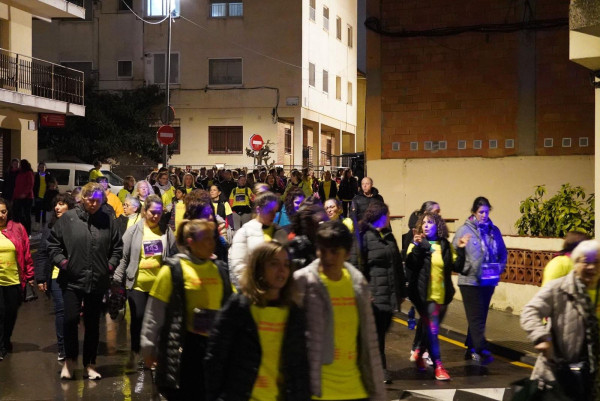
(16, 233)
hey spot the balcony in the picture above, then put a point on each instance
(35, 85)
(584, 36)
(52, 8)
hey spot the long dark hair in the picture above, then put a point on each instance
(478, 202)
(373, 213)
(307, 220)
(26, 166)
(8, 208)
(288, 202)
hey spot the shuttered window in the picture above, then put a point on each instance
(225, 139)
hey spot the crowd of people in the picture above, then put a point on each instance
(253, 285)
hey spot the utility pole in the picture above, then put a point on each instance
(168, 75)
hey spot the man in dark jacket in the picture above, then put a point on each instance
(227, 185)
(86, 246)
(366, 195)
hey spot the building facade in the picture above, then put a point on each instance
(457, 112)
(30, 86)
(283, 70)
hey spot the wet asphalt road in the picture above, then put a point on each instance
(31, 372)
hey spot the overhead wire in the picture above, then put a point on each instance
(142, 19)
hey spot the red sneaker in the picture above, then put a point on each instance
(441, 373)
(420, 362)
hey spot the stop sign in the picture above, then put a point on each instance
(166, 134)
(256, 142)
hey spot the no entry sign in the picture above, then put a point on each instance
(256, 142)
(166, 134)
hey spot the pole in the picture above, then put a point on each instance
(167, 79)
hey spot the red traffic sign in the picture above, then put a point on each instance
(165, 134)
(256, 142)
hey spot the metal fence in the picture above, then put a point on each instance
(24, 74)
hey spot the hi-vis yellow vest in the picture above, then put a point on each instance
(240, 197)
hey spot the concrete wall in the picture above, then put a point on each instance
(455, 182)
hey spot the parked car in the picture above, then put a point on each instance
(71, 175)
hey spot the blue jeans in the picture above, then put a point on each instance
(59, 315)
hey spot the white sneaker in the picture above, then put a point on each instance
(67, 369)
(91, 373)
(427, 358)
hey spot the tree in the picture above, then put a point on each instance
(114, 123)
(262, 156)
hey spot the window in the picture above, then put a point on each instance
(338, 88)
(288, 141)
(311, 74)
(124, 69)
(225, 71)
(160, 68)
(61, 175)
(311, 10)
(225, 140)
(123, 4)
(160, 8)
(350, 36)
(350, 94)
(338, 28)
(326, 18)
(224, 9)
(325, 81)
(81, 178)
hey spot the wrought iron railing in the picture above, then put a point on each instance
(30, 75)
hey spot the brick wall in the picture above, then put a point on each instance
(480, 87)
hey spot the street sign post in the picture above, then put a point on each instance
(256, 142)
(165, 134)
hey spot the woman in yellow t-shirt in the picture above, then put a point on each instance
(257, 348)
(185, 298)
(561, 264)
(430, 261)
(145, 245)
(46, 274)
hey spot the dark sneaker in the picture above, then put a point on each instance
(421, 364)
(387, 377)
(61, 356)
(483, 358)
(469, 354)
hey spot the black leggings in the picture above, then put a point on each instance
(22, 212)
(137, 306)
(192, 370)
(92, 304)
(10, 300)
(383, 320)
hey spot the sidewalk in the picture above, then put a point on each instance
(503, 331)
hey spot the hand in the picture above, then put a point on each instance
(43, 287)
(545, 348)
(464, 240)
(150, 361)
(417, 238)
(31, 282)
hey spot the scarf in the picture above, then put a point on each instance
(592, 335)
(163, 188)
(489, 244)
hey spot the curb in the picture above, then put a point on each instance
(495, 348)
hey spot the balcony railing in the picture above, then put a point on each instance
(32, 76)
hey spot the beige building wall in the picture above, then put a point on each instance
(455, 182)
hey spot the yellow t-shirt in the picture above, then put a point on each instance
(437, 288)
(95, 174)
(592, 295)
(228, 210)
(268, 233)
(123, 194)
(326, 189)
(167, 196)
(42, 190)
(203, 290)
(342, 379)
(133, 220)
(349, 223)
(150, 259)
(9, 271)
(179, 213)
(270, 322)
(558, 267)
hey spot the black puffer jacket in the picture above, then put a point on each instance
(418, 271)
(234, 354)
(92, 246)
(361, 202)
(378, 258)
